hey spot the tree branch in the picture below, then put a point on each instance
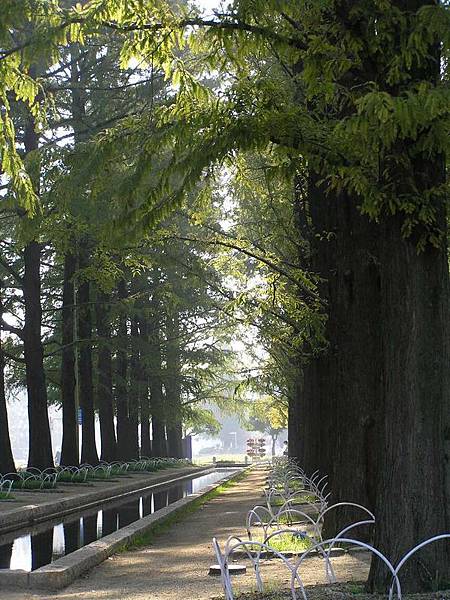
(155, 27)
(4, 263)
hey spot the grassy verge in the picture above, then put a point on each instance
(297, 501)
(286, 542)
(179, 515)
(207, 459)
(6, 496)
(32, 484)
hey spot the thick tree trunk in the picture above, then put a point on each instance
(342, 384)
(6, 456)
(411, 493)
(123, 446)
(159, 442)
(295, 441)
(89, 453)
(146, 445)
(40, 444)
(175, 439)
(136, 384)
(105, 378)
(315, 220)
(173, 387)
(69, 449)
(411, 500)
(355, 352)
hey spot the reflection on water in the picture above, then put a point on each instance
(41, 549)
(176, 493)
(5, 555)
(71, 536)
(109, 521)
(29, 550)
(129, 513)
(160, 500)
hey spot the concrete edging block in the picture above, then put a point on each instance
(34, 513)
(14, 578)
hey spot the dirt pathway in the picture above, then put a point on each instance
(176, 565)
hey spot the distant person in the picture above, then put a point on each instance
(58, 457)
(285, 448)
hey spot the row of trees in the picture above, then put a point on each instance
(340, 111)
(96, 320)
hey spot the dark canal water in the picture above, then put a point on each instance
(29, 549)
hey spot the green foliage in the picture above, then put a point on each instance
(267, 415)
(241, 106)
(198, 420)
(316, 52)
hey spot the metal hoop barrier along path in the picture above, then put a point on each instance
(287, 481)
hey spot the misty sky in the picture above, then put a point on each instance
(208, 4)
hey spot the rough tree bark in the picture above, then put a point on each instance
(85, 379)
(105, 377)
(173, 386)
(159, 442)
(134, 399)
(146, 445)
(411, 497)
(40, 444)
(411, 502)
(295, 439)
(121, 386)
(69, 448)
(416, 384)
(342, 385)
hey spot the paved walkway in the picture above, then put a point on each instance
(176, 565)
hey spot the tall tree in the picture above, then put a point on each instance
(159, 441)
(85, 375)
(349, 131)
(105, 377)
(40, 445)
(135, 387)
(7, 464)
(69, 448)
(121, 376)
(172, 385)
(415, 322)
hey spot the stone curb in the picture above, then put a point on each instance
(62, 572)
(34, 513)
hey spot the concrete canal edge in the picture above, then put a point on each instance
(62, 572)
(36, 513)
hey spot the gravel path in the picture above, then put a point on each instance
(176, 565)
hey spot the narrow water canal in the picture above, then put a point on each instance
(32, 548)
